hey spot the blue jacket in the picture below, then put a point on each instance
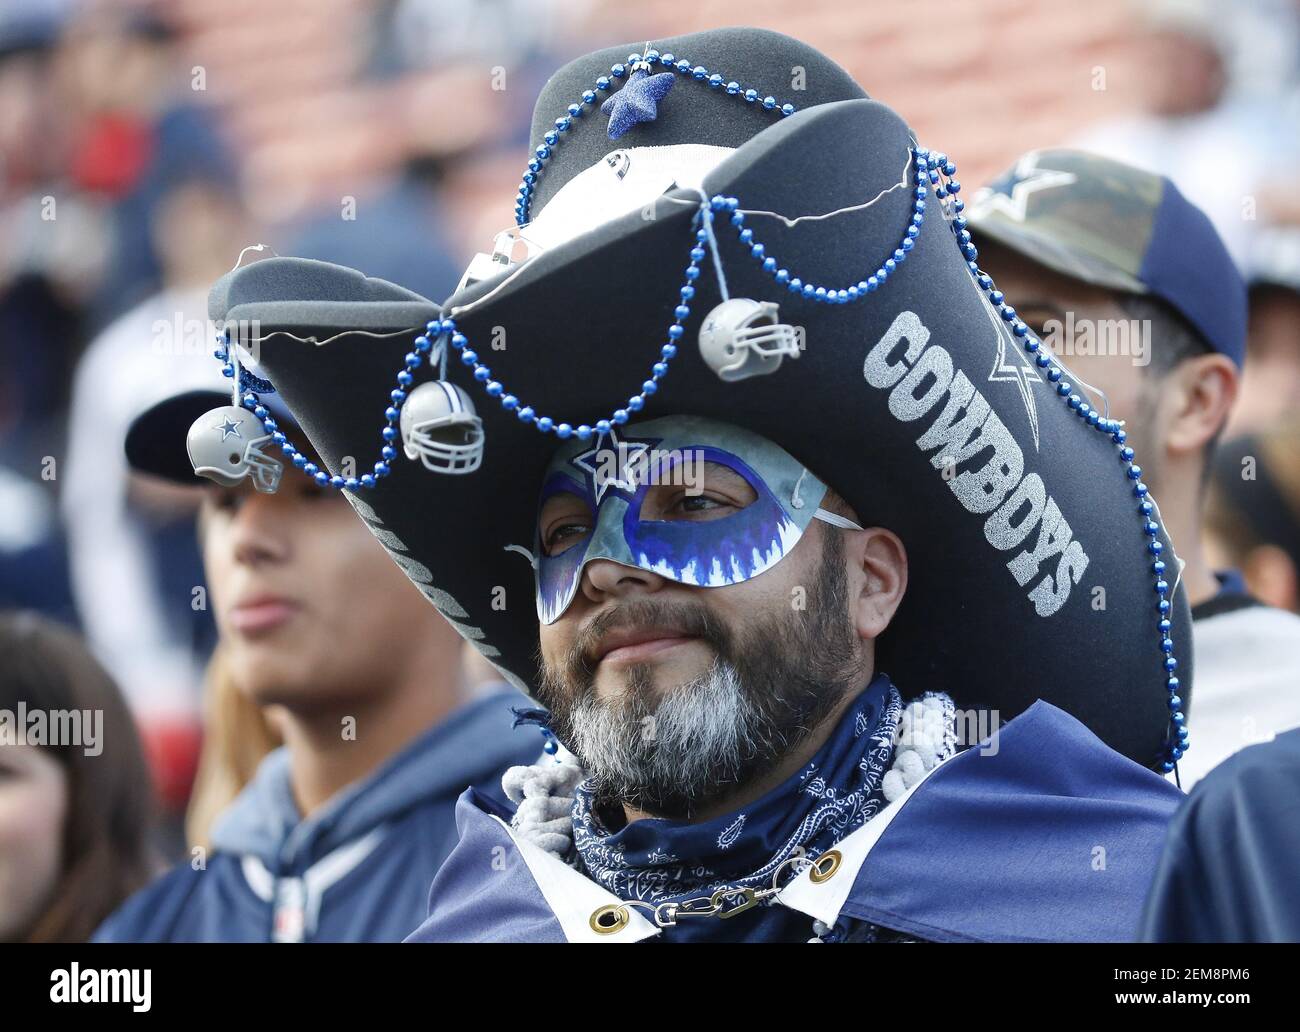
(1053, 837)
(358, 869)
(1231, 869)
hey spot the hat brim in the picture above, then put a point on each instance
(1052, 254)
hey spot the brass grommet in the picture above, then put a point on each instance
(610, 918)
(825, 866)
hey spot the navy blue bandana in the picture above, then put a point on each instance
(837, 792)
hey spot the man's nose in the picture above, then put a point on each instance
(604, 578)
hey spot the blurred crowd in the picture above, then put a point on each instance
(145, 146)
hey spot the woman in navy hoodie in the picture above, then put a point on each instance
(340, 832)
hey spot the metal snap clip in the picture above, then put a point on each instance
(745, 897)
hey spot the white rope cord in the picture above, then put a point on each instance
(252, 247)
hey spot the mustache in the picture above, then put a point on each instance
(688, 618)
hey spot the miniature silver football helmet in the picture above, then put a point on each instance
(227, 444)
(742, 338)
(441, 428)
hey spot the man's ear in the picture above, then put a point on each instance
(1205, 388)
(884, 580)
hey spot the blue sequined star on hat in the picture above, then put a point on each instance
(638, 101)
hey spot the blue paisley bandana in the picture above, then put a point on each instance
(662, 861)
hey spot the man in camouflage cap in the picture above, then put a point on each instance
(1131, 287)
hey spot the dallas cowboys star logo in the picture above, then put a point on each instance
(1012, 365)
(638, 101)
(1011, 195)
(228, 428)
(613, 463)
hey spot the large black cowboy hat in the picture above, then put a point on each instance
(1049, 595)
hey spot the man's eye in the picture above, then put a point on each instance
(686, 506)
(699, 503)
(563, 535)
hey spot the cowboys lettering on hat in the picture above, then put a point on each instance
(779, 489)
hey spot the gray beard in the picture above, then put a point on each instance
(695, 739)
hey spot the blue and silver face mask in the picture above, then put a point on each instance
(690, 499)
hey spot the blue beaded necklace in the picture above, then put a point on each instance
(930, 170)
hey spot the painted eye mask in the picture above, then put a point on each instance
(693, 500)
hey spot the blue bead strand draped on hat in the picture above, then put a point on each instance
(446, 330)
(637, 105)
(1178, 740)
(868, 285)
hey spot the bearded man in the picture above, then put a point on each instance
(854, 622)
